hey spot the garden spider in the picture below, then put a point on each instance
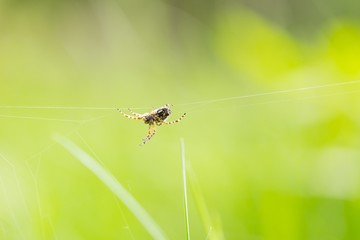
(155, 118)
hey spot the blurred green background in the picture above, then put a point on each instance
(278, 166)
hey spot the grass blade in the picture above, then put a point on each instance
(185, 189)
(114, 185)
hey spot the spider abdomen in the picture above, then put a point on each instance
(163, 113)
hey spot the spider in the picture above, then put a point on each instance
(155, 118)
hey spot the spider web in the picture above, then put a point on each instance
(16, 181)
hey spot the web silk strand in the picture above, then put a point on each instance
(338, 84)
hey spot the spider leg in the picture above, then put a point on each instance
(175, 121)
(167, 105)
(164, 106)
(134, 113)
(129, 116)
(151, 133)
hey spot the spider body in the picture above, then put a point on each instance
(155, 118)
(149, 119)
(162, 113)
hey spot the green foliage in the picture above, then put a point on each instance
(278, 166)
